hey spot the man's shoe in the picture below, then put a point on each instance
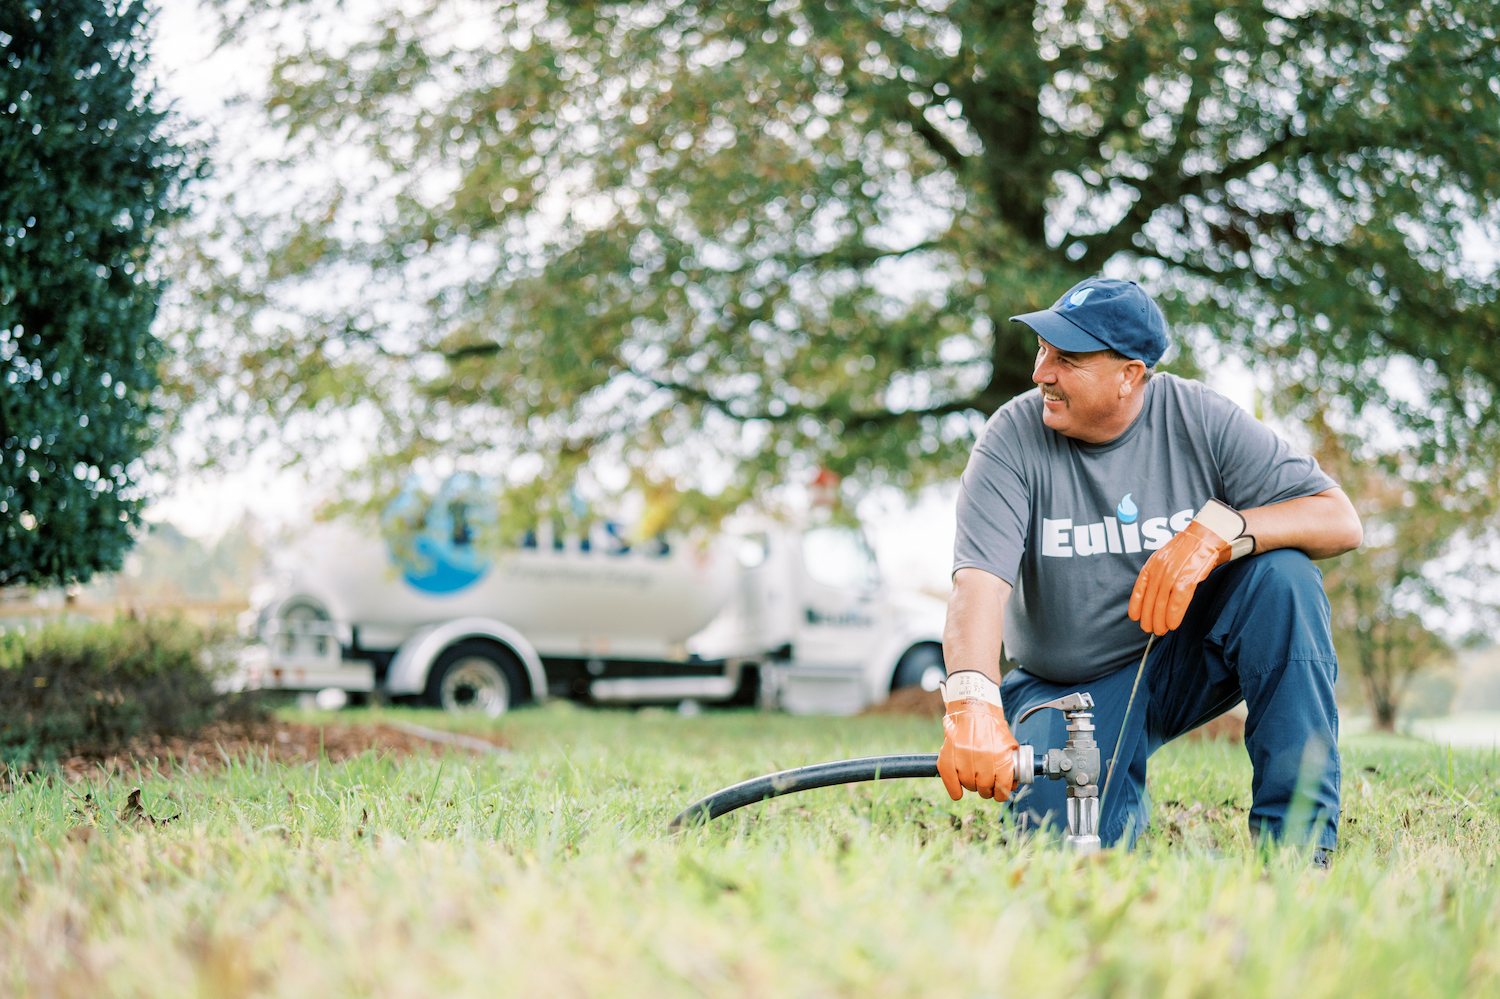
(1322, 859)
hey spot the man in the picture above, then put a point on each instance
(1111, 504)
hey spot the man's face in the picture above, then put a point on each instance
(1081, 395)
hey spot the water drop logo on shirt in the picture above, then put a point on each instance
(1078, 298)
(1117, 535)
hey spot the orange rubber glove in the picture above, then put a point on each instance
(1171, 575)
(979, 752)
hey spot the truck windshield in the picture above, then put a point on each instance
(838, 556)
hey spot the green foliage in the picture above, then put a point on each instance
(91, 688)
(1381, 592)
(88, 177)
(791, 234)
(550, 872)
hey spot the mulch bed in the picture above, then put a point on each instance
(281, 742)
(921, 703)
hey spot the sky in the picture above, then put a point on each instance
(914, 542)
(199, 81)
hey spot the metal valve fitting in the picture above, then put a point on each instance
(1025, 768)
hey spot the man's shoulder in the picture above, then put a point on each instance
(1175, 386)
(1022, 411)
(1188, 396)
(1015, 424)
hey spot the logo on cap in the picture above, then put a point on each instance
(1078, 298)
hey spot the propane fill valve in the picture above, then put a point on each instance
(1077, 763)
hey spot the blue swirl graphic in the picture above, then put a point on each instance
(1127, 511)
(442, 553)
(439, 567)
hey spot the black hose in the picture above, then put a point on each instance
(748, 792)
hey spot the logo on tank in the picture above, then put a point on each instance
(433, 540)
(1122, 534)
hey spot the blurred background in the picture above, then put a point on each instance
(660, 263)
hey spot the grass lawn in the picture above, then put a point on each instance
(548, 872)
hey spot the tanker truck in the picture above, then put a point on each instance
(763, 612)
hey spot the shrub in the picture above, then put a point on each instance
(71, 689)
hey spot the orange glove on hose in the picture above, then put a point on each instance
(1171, 575)
(979, 753)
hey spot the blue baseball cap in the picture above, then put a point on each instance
(1103, 313)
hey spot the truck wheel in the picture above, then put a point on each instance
(921, 666)
(476, 676)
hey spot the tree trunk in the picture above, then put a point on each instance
(1380, 686)
(1385, 715)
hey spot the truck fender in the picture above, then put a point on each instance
(883, 663)
(918, 619)
(408, 672)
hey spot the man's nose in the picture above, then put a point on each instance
(1043, 373)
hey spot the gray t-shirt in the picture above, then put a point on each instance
(1069, 525)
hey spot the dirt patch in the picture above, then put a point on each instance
(912, 701)
(281, 742)
(919, 703)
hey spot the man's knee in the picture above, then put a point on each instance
(1313, 673)
(1285, 586)
(1287, 571)
(1279, 620)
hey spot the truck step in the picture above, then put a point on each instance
(663, 688)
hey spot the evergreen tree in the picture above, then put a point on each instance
(88, 176)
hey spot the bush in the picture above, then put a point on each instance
(73, 689)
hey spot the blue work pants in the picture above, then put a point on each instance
(1257, 630)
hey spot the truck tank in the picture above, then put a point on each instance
(566, 596)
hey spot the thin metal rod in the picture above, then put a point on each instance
(1121, 738)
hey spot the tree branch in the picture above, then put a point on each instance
(457, 354)
(863, 256)
(824, 414)
(1157, 192)
(914, 117)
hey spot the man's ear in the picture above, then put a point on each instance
(1130, 374)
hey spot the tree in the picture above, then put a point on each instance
(1377, 593)
(87, 176)
(711, 244)
(1415, 520)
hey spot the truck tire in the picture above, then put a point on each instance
(920, 666)
(477, 676)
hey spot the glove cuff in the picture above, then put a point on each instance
(970, 684)
(1227, 524)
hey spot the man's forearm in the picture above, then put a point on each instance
(1321, 526)
(976, 622)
